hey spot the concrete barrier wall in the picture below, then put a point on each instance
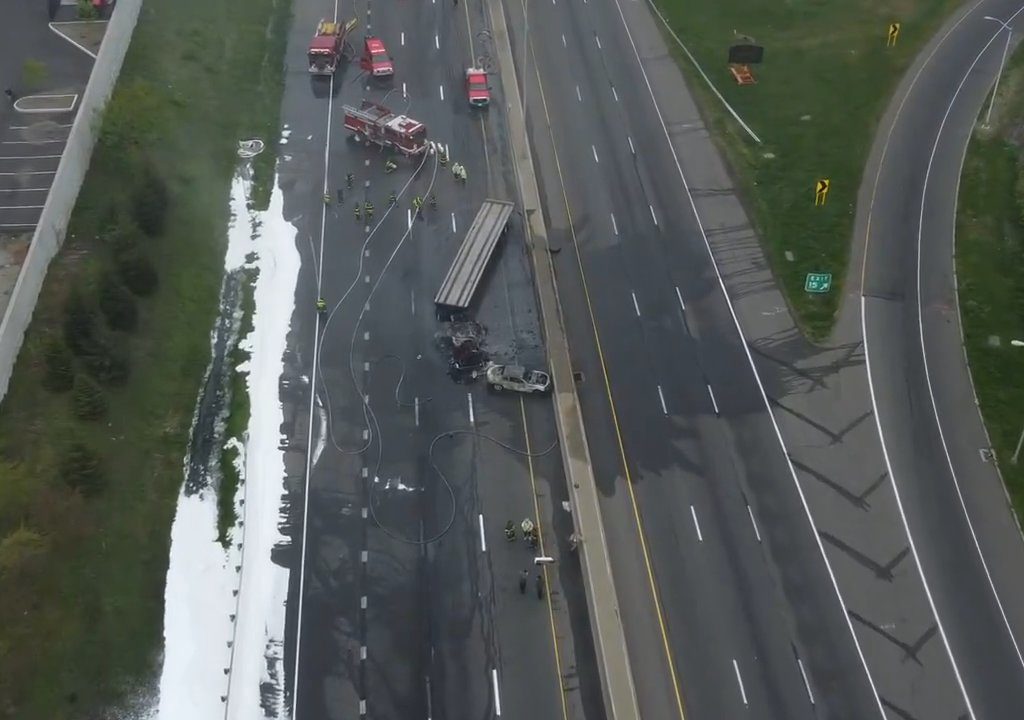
(53, 222)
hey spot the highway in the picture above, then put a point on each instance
(727, 602)
(952, 501)
(405, 602)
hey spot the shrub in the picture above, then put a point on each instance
(118, 304)
(34, 73)
(137, 272)
(108, 363)
(123, 237)
(19, 549)
(59, 366)
(150, 203)
(88, 400)
(79, 323)
(81, 470)
(86, 10)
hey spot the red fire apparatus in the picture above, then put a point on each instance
(376, 60)
(381, 126)
(328, 45)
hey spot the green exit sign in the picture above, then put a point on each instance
(818, 282)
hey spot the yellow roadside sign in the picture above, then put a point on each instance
(894, 33)
(821, 191)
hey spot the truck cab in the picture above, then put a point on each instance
(478, 92)
(376, 60)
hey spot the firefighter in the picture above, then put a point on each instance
(393, 199)
(390, 166)
(369, 209)
(443, 158)
(358, 211)
(455, 170)
(524, 577)
(510, 531)
(462, 173)
(417, 202)
(349, 179)
(321, 305)
(433, 201)
(327, 198)
(540, 586)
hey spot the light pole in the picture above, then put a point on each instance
(1020, 441)
(1002, 63)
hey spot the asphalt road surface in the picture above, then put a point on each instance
(746, 618)
(969, 548)
(407, 603)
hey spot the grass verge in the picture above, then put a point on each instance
(825, 82)
(83, 563)
(990, 271)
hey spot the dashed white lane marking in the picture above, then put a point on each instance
(416, 410)
(696, 525)
(362, 708)
(807, 684)
(366, 434)
(366, 472)
(453, 223)
(579, 97)
(597, 39)
(615, 94)
(366, 279)
(362, 602)
(412, 301)
(653, 216)
(636, 306)
(714, 403)
(404, 93)
(469, 399)
(594, 150)
(364, 556)
(630, 141)
(739, 680)
(362, 652)
(366, 513)
(679, 297)
(408, 217)
(615, 225)
(483, 540)
(757, 533)
(403, 38)
(563, 41)
(437, 42)
(441, 89)
(497, 692)
(366, 335)
(366, 367)
(661, 397)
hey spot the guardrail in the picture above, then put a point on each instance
(67, 181)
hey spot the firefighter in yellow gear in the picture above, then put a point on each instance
(321, 305)
(369, 210)
(358, 211)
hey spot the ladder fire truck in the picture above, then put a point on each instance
(382, 127)
(329, 45)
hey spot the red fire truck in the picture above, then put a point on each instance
(376, 60)
(381, 126)
(328, 45)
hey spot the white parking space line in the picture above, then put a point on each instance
(453, 223)
(29, 157)
(615, 94)
(743, 692)
(635, 305)
(594, 150)
(31, 142)
(679, 297)
(27, 127)
(661, 397)
(714, 403)
(807, 684)
(483, 540)
(408, 217)
(630, 141)
(437, 41)
(757, 533)
(469, 399)
(34, 172)
(696, 525)
(20, 207)
(653, 216)
(44, 189)
(497, 692)
(441, 88)
(615, 225)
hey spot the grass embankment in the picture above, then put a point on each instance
(990, 271)
(824, 84)
(95, 425)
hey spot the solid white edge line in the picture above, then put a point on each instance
(696, 525)
(924, 353)
(636, 306)
(714, 403)
(312, 406)
(469, 399)
(615, 225)
(757, 533)
(661, 397)
(753, 368)
(483, 539)
(739, 681)
(497, 692)
(807, 683)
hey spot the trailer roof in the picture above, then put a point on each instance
(467, 269)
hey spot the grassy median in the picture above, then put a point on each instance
(826, 79)
(990, 271)
(95, 425)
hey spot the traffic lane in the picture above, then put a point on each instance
(983, 493)
(686, 257)
(966, 611)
